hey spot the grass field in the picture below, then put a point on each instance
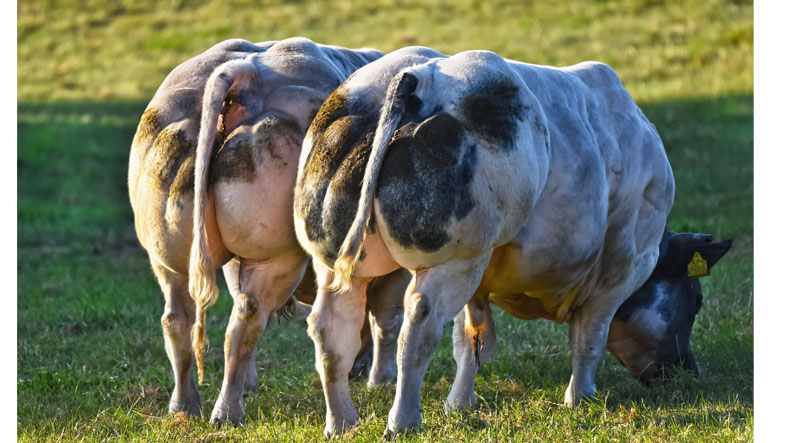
(91, 363)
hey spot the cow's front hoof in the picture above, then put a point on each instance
(457, 403)
(379, 378)
(377, 383)
(227, 412)
(381, 375)
(400, 424)
(575, 395)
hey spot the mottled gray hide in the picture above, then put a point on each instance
(543, 190)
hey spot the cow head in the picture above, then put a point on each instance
(650, 332)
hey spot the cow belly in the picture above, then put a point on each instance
(529, 285)
(520, 306)
(553, 305)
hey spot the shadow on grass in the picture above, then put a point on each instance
(79, 265)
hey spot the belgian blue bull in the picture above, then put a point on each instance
(487, 179)
(236, 115)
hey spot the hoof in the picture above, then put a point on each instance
(190, 410)
(461, 404)
(188, 403)
(227, 412)
(393, 434)
(574, 397)
(381, 375)
(338, 427)
(403, 426)
(376, 382)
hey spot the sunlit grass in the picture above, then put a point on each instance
(99, 49)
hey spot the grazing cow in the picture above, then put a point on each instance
(236, 115)
(480, 176)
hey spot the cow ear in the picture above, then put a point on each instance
(680, 249)
(713, 252)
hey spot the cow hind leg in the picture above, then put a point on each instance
(384, 302)
(264, 288)
(474, 340)
(434, 297)
(232, 275)
(176, 324)
(334, 326)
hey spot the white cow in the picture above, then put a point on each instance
(250, 104)
(481, 176)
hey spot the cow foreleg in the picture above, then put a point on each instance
(176, 323)
(588, 341)
(264, 288)
(334, 325)
(473, 340)
(434, 297)
(384, 302)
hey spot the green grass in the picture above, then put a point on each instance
(98, 49)
(91, 364)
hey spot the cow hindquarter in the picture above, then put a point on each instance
(161, 190)
(463, 181)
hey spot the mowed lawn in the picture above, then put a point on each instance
(91, 363)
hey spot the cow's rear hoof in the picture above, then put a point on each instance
(336, 427)
(220, 421)
(188, 403)
(331, 431)
(223, 413)
(191, 411)
(393, 434)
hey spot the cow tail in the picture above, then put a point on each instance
(399, 89)
(202, 271)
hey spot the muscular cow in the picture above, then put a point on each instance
(237, 115)
(480, 176)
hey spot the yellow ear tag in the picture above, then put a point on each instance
(698, 266)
